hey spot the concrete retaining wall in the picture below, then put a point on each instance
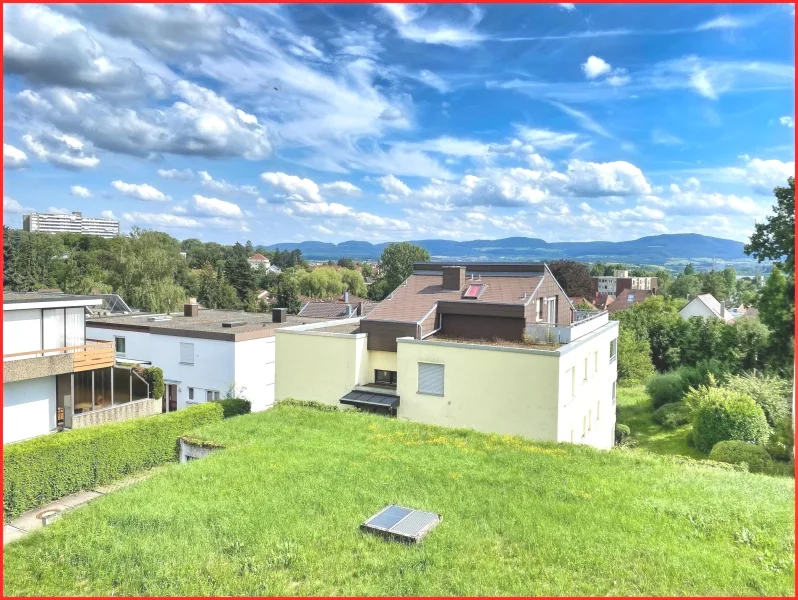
(123, 412)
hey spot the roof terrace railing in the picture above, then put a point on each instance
(550, 333)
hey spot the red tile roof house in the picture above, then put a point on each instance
(496, 347)
(258, 261)
(627, 298)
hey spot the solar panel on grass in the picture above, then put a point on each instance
(400, 523)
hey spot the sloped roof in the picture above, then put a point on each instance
(713, 305)
(258, 257)
(627, 298)
(412, 301)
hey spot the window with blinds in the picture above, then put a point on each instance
(430, 379)
(186, 353)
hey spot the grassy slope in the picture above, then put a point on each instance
(634, 410)
(279, 514)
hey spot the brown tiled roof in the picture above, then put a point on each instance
(622, 302)
(326, 310)
(603, 301)
(258, 257)
(411, 302)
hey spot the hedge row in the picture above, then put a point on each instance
(235, 406)
(44, 469)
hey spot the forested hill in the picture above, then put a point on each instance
(652, 249)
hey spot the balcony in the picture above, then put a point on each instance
(94, 354)
(553, 333)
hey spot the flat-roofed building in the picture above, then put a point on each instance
(73, 222)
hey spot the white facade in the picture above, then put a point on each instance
(28, 408)
(201, 368)
(70, 223)
(705, 305)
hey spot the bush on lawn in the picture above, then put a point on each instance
(781, 444)
(634, 358)
(736, 452)
(622, 433)
(773, 394)
(154, 378)
(46, 468)
(667, 388)
(703, 373)
(672, 415)
(722, 414)
(235, 406)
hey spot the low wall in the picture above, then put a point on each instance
(39, 366)
(123, 412)
(195, 450)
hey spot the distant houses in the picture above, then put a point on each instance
(258, 261)
(706, 305)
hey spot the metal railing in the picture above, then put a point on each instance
(564, 333)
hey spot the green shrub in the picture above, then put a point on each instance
(699, 374)
(622, 433)
(722, 414)
(672, 415)
(154, 378)
(235, 406)
(667, 388)
(309, 404)
(781, 443)
(736, 452)
(689, 439)
(46, 468)
(634, 358)
(773, 394)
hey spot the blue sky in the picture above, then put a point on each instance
(398, 122)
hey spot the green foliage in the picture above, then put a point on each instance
(143, 270)
(622, 433)
(154, 378)
(324, 282)
(781, 445)
(346, 263)
(287, 295)
(705, 372)
(573, 276)
(773, 394)
(634, 358)
(777, 311)
(235, 406)
(685, 286)
(309, 404)
(397, 265)
(585, 306)
(721, 414)
(214, 291)
(672, 415)
(239, 273)
(736, 452)
(775, 238)
(689, 269)
(46, 468)
(667, 388)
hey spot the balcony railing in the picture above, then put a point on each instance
(554, 333)
(94, 354)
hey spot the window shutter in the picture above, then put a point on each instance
(430, 379)
(186, 353)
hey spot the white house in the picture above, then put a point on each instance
(54, 377)
(705, 305)
(258, 261)
(204, 353)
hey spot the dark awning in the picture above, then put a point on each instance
(371, 400)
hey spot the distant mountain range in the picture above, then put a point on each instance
(655, 250)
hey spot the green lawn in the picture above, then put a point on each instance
(634, 410)
(278, 513)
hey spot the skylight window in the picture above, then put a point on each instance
(474, 291)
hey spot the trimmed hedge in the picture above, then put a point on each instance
(235, 406)
(672, 415)
(46, 468)
(741, 453)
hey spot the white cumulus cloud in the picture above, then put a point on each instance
(61, 150)
(295, 188)
(142, 191)
(14, 158)
(217, 208)
(80, 191)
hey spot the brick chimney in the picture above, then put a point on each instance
(453, 278)
(191, 308)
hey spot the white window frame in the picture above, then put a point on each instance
(443, 379)
(191, 393)
(596, 367)
(185, 345)
(116, 345)
(613, 350)
(572, 373)
(587, 368)
(540, 307)
(211, 395)
(614, 391)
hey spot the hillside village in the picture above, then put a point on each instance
(502, 357)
